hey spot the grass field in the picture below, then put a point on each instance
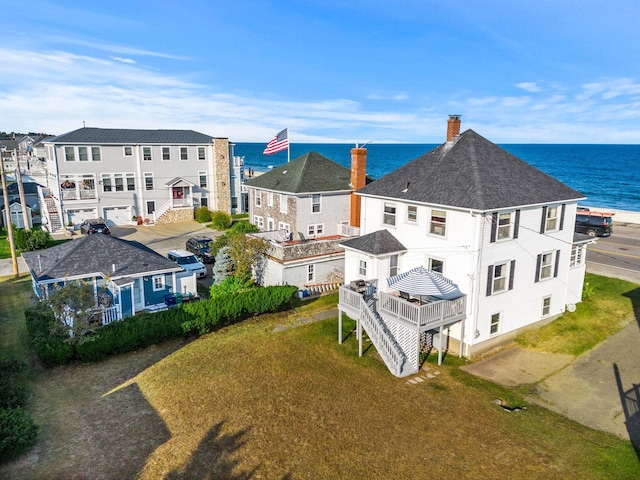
(248, 402)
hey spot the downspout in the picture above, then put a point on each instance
(475, 280)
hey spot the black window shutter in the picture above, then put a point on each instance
(494, 226)
(544, 219)
(555, 270)
(490, 281)
(512, 271)
(516, 225)
(538, 263)
(564, 205)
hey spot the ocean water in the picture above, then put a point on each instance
(608, 175)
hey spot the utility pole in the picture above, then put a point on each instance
(25, 215)
(12, 244)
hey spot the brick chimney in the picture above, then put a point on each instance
(358, 180)
(453, 127)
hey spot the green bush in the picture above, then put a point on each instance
(13, 391)
(203, 214)
(243, 226)
(34, 239)
(220, 220)
(17, 433)
(50, 342)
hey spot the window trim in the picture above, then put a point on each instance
(389, 213)
(408, 218)
(435, 223)
(316, 206)
(510, 266)
(127, 151)
(284, 207)
(86, 154)
(430, 261)
(577, 255)
(202, 153)
(546, 306)
(258, 221)
(184, 154)
(362, 267)
(257, 198)
(93, 154)
(394, 268)
(201, 174)
(146, 150)
(494, 324)
(311, 272)
(156, 280)
(166, 154)
(69, 157)
(147, 176)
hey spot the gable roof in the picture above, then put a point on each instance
(310, 172)
(380, 242)
(473, 173)
(93, 254)
(122, 136)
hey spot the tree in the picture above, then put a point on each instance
(246, 252)
(223, 268)
(74, 305)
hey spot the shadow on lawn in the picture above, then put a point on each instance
(214, 457)
(630, 398)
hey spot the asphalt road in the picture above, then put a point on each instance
(618, 255)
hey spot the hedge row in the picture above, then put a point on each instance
(147, 329)
(17, 430)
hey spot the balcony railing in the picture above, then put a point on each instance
(422, 316)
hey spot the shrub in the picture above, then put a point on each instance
(17, 433)
(243, 226)
(203, 214)
(220, 220)
(13, 392)
(35, 239)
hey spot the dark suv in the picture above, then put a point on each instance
(593, 223)
(200, 247)
(95, 225)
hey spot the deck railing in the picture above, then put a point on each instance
(426, 316)
(110, 315)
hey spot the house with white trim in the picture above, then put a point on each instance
(127, 277)
(118, 174)
(303, 209)
(497, 227)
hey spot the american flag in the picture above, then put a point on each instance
(278, 143)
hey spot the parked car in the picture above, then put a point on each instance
(200, 247)
(94, 225)
(593, 223)
(188, 261)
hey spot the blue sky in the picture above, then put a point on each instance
(332, 70)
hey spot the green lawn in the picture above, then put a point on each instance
(248, 402)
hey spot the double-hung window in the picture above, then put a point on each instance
(505, 225)
(389, 216)
(546, 306)
(128, 151)
(119, 182)
(158, 282)
(258, 221)
(258, 198)
(184, 153)
(203, 179)
(362, 268)
(500, 277)
(547, 265)
(283, 203)
(83, 154)
(315, 203)
(146, 154)
(148, 181)
(201, 153)
(270, 199)
(69, 154)
(438, 222)
(166, 153)
(494, 327)
(131, 182)
(412, 214)
(96, 156)
(311, 273)
(552, 218)
(107, 185)
(393, 265)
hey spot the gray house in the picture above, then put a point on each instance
(119, 174)
(303, 208)
(127, 277)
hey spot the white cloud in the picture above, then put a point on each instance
(529, 87)
(123, 60)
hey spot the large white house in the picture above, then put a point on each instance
(119, 174)
(500, 229)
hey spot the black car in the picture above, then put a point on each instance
(594, 223)
(95, 225)
(200, 247)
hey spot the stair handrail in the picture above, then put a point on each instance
(165, 207)
(383, 340)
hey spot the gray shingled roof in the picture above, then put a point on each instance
(310, 172)
(471, 173)
(96, 253)
(381, 242)
(121, 136)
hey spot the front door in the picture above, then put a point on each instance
(181, 196)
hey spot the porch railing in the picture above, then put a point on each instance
(426, 316)
(348, 230)
(110, 315)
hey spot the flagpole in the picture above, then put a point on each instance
(288, 146)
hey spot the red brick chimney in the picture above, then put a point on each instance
(358, 180)
(453, 127)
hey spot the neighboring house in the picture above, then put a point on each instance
(118, 174)
(31, 200)
(303, 208)
(500, 229)
(127, 277)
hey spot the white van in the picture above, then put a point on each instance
(188, 261)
